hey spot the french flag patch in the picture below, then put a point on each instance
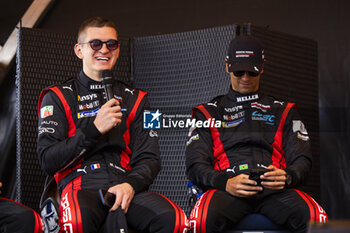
(95, 166)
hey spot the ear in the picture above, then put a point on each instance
(262, 69)
(77, 50)
(226, 66)
(118, 51)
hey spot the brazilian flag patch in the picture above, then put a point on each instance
(243, 167)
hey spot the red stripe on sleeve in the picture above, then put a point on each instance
(67, 109)
(125, 155)
(278, 159)
(71, 125)
(221, 160)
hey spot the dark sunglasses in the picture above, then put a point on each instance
(97, 44)
(242, 72)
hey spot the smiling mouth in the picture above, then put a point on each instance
(102, 58)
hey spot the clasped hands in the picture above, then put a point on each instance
(242, 186)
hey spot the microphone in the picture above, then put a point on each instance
(107, 81)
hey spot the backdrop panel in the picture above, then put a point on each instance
(180, 71)
(291, 71)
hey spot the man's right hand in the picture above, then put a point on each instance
(242, 186)
(108, 116)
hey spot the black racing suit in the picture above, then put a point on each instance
(249, 132)
(18, 218)
(82, 160)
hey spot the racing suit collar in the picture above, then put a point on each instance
(238, 97)
(89, 83)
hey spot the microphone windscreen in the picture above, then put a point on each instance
(107, 77)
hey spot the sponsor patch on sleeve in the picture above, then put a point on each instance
(191, 131)
(153, 133)
(193, 138)
(46, 111)
(300, 130)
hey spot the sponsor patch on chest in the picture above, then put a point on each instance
(267, 118)
(88, 113)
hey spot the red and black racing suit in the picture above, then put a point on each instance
(255, 131)
(18, 218)
(82, 160)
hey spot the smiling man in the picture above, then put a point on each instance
(255, 159)
(92, 147)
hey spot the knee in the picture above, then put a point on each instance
(171, 220)
(214, 221)
(22, 221)
(298, 220)
(26, 217)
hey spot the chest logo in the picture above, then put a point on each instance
(213, 104)
(232, 123)
(234, 109)
(87, 97)
(261, 107)
(131, 91)
(268, 119)
(68, 87)
(247, 98)
(88, 113)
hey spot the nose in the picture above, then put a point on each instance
(104, 48)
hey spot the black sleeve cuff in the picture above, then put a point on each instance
(91, 131)
(293, 177)
(220, 182)
(135, 184)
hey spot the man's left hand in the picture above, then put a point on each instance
(124, 194)
(275, 178)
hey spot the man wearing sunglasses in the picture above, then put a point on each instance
(253, 162)
(102, 158)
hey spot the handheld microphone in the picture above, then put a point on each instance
(107, 81)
